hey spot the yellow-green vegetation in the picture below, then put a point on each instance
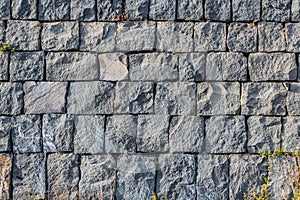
(155, 197)
(6, 47)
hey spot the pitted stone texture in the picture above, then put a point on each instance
(246, 10)
(242, 37)
(276, 10)
(226, 67)
(190, 10)
(98, 174)
(186, 134)
(107, 9)
(175, 37)
(210, 36)
(120, 134)
(219, 10)
(29, 176)
(44, 97)
(58, 133)
(264, 134)
(24, 9)
(263, 99)
(176, 98)
(137, 9)
(152, 133)
(4, 9)
(23, 35)
(26, 66)
(11, 98)
(192, 67)
(291, 134)
(63, 176)
(65, 66)
(225, 134)
(97, 36)
(89, 134)
(136, 177)
(271, 36)
(176, 176)
(218, 98)
(5, 176)
(272, 67)
(5, 131)
(60, 36)
(143, 32)
(4, 67)
(293, 37)
(295, 14)
(91, 98)
(153, 67)
(83, 10)
(2, 29)
(293, 99)
(51, 10)
(27, 134)
(162, 10)
(113, 67)
(253, 169)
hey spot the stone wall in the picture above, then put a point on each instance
(107, 100)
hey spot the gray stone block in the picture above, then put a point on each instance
(51, 10)
(272, 67)
(2, 29)
(192, 67)
(246, 10)
(162, 10)
(219, 10)
(210, 186)
(226, 67)
(153, 67)
(24, 9)
(186, 134)
(136, 36)
(94, 98)
(107, 9)
(152, 133)
(26, 66)
(291, 134)
(137, 9)
(89, 134)
(83, 10)
(179, 185)
(4, 67)
(218, 98)
(23, 35)
(5, 131)
(295, 14)
(136, 177)
(175, 36)
(44, 97)
(264, 134)
(29, 176)
(293, 37)
(190, 10)
(97, 36)
(66, 66)
(176, 98)
(242, 37)
(4, 9)
(58, 133)
(11, 101)
(263, 99)
(293, 98)
(271, 36)
(6, 176)
(276, 10)
(210, 36)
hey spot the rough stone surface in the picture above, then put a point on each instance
(152, 133)
(153, 67)
(210, 36)
(192, 67)
(276, 10)
(176, 176)
(107, 9)
(26, 66)
(24, 9)
(4, 9)
(54, 10)
(295, 14)
(226, 67)
(5, 176)
(218, 10)
(11, 98)
(291, 134)
(2, 29)
(190, 10)
(245, 10)
(5, 131)
(162, 10)
(175, 98)
(72, 66)
(293, 37)
(90, 98)
(4, 67)
(293, 99)
(83, 10)
(89, 134)
(137, 9)
(58, 132)
(218, 98)
(44, 97)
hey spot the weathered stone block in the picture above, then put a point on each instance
(190, 10)
(276, 10)
(219, 10)
(293, 37)
(94, 98)
(26, 66)
(2, 29)
(218, 98)
(137, 9)
(226, 67)
(72, 66)
(51, 10)
(162, 10)
(210, 36)
(175, 37)
(179, 185)
(271, 36)
(4, 9)
(291, 134)
(108, 9)
(152, 133)
(245, 10)
(11, 98)
(44, 97)
(272, 67)
(58, 132)
(89, 134)
(4, 67)
(153, 67)
(83, 10)
(97, 36)
(23, 35)
(263, 99)
(136, 36)
(293, 99)
(5, 176)
(192, 67)
(5, 130)
(24, 9)
(176, 98)
(242, 37)
(295, 14)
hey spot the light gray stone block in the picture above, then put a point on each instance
(219, 10)
(83, 10)
(137, 9)
(24, 9)
(2, 29)
(5, 131)
(162, 10)
(4, 9)
(6, 176)
(11, 98)
(291, 134)
(276, 10)
(190, 10)
(246, 10)
(293, 99)
(192, 67)
(107, 9)
(271, 36)
(4, 67)
(50, 10)
(293, 37)
(295, 14)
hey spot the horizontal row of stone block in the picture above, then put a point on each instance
(149, 36)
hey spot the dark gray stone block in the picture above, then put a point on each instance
(162, 10)
(219, 10)
(11, 98)
(50, 10)
(5, 134)
(24, 9)
(246, 10)
(190, 10)
(276, 10)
